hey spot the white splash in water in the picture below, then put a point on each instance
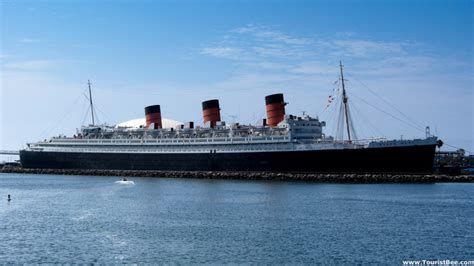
(128, 182)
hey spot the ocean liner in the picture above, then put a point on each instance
(280, 143)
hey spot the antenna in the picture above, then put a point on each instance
(344, 100)
(90, 100)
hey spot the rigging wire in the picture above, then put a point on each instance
(351, 123)
(262, 116)
(387, 102)
(94, 113)
(104, 114)
(409, 121)
(361, 130)
(84, 106)
(332, 117)
(389, 114)
(98, 107)
(329, 109)
(340, 123)
(86, 114)
(56, 123)
(373, 128)
(339, 134)
(334, 93)
(458, 148)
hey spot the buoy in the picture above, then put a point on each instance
(9, 198)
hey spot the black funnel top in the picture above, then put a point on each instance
(152, 109)
(210, 104)
(274, 98)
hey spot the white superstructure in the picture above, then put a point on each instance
(292, 134)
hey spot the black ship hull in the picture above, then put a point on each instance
(408, 159)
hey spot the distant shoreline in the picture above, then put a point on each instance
(271, 176)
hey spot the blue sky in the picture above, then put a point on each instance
(416, 55)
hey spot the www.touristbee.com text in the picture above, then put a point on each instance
(438, 262)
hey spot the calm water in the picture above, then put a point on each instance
(66, 219)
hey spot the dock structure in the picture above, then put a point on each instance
(9, 152)
(352, 178)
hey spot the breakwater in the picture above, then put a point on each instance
(310, 177)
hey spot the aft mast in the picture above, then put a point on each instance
(90, 100)
(344, 101)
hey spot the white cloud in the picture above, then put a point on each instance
(280, 37)
(267, 65)
(259, 42)
(367, 48)
(5, 56)
(30, 65)
(246, 29)
(269, 50)
(223, 52)
(254, 42)
(271, 35)
(314, 68)
(36, 65)
(29, 40)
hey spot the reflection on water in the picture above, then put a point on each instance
(65, 219)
